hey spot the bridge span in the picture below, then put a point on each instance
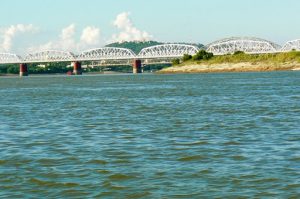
(160, 52)
(163, 53)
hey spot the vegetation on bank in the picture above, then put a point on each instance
(200, 56)
(203, 57)
(204, 62)
(125, 68)
(49, 68)
(64, 67)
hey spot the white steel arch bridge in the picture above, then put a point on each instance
(8, 58)
(249, 45)
(167, 52)
(291, 45)
(49, 56)
(106, 53)
(100, 54)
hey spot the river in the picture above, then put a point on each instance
(225, 135)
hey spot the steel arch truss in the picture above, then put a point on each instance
(107, 53)
(249, 45)
(168, 51)
(291, 45)
(49, 56)
(7, 58)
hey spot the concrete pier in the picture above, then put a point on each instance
(77, 70)
(23, 70)
(137, 66)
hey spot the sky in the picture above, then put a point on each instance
(76, 25)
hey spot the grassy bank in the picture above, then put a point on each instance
(238, 62)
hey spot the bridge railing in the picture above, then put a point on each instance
(168, 51)
(106, 53)
(8, 58)
(49, 56)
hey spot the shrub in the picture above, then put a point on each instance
(239, 52)
(13, 69)
(175, 62)
(186, 57)
(202, 55)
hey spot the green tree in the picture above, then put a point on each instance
(202, 55)
(3, 69)
(13, 69)
(175, 62)
(186, 57)
(239, 52)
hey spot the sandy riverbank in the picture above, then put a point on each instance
(231, 67)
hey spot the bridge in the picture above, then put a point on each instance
(159, 53)
(250, 45)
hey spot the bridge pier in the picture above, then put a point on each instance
(23, 70)
(137, 66)
(77, 68)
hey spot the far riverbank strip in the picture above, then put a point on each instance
(230, 67)
(204, 62)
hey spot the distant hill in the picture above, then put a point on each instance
(137, 46)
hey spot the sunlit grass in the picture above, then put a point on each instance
(276, 58)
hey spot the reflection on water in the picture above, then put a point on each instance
(150, 136)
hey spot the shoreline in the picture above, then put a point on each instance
(200, 68)
(64, 74)
(231, 67)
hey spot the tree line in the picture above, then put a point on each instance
(200, 55)
(48, 68)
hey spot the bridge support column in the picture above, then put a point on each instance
(137, 66)
(77, 68)
(23, 70)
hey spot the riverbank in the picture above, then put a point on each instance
(238, 62)
(64, 74)
(230, 67)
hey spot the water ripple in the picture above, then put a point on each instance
(151, 136)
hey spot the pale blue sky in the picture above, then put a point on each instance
(166, 20)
